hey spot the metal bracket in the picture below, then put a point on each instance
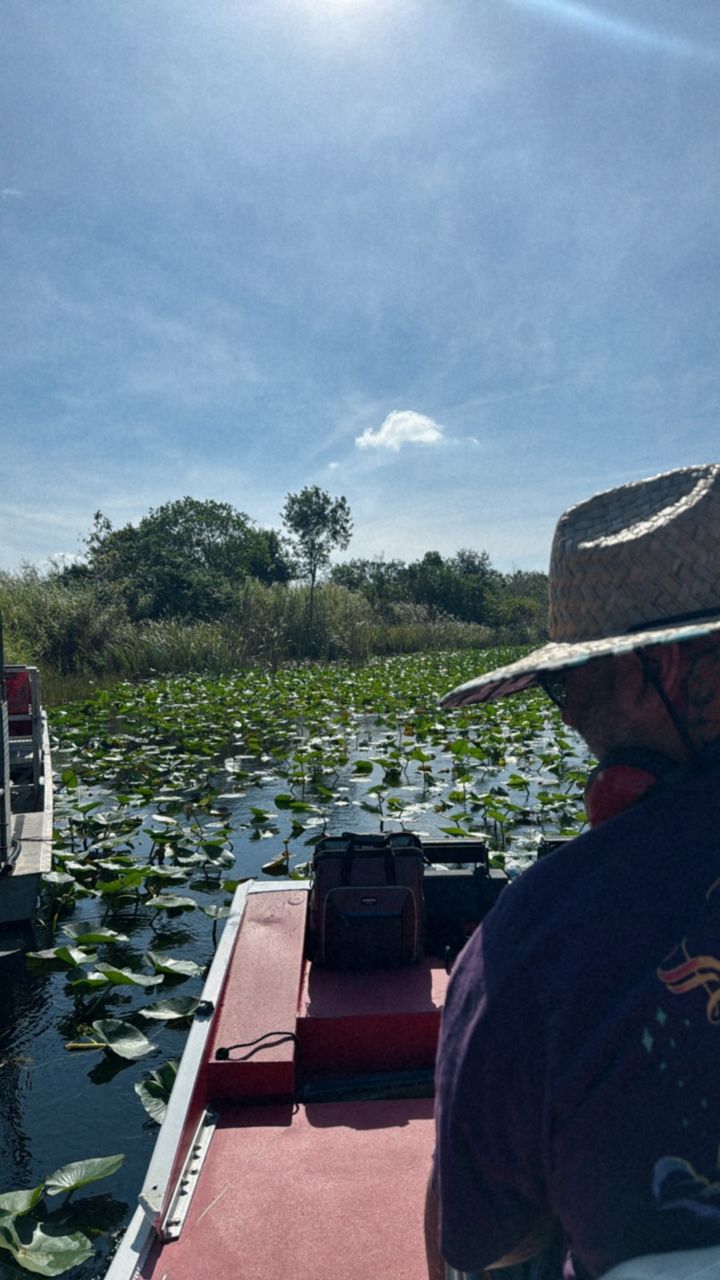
(172, 1223)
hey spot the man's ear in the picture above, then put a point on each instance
(667, 661)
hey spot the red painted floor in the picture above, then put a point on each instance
(333, 1191)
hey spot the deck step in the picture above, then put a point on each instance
(377, 1021)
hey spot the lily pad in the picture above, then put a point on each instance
(172, 902)
(46, 1252)
(91, 981)
(278, 866)
(57, 879)
(61, 957)
(127, 977)
(91, 937)
(155, 1088)
(82, 1172)
(20, 1202)
(215, 911)
(170, 1010)
(174, 968)
(121, 1038)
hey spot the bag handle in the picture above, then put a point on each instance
(380, 843)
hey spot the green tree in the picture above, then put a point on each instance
(185, 559)
(518, 603)
(316, 525)
(382, 582)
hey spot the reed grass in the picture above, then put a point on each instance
(71, 628)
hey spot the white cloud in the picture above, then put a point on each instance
(11, 193)
(402, 426)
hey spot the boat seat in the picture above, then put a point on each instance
(252, 1052)
(25, 724)
(21, 699)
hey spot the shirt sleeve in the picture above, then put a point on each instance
(489, 1167)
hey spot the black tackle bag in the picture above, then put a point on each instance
(366, 901)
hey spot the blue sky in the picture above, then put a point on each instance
(454, 259)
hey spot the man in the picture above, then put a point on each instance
(578, 1079)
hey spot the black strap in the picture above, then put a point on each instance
(269, 1040)
(650, 761)
(676, 620)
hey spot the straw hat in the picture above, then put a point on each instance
(633, 566)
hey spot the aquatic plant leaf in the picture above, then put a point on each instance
(20, 1202)
(174, 968)
(56, 879)
(121, 884)
(172, 874)
(155, 1088)
(85, 937)
(258, 814)
(277, 867)
(127, 977)
(219, 857)
(57, 957)
(92, 981)
(171, 902)
(302, 871)
(215, 911)
(122, 1038)
(47, 1252)
(169, 1010)
(81, 1172)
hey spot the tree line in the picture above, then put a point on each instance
(192, 569)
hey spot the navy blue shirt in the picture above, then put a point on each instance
(579, 1060)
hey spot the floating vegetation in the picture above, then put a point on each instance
(155, 1088)
(173, 791)
(48, 1243)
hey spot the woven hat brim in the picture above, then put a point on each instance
(554, 657)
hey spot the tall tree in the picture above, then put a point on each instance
(316, 525)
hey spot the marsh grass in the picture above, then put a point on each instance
(63, 626)
(72, 629)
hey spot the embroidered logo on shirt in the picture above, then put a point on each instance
(694, 972)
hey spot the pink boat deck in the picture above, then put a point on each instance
(334, 1191)
(330, 1190)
